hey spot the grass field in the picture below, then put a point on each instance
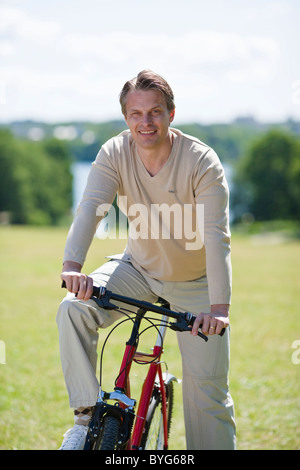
(265, 380)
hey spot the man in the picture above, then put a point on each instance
(186, 262)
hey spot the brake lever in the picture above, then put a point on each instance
(181, 325)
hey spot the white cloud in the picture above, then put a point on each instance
(50, 69)
(201, 66)
(15, 23)
(196, 49)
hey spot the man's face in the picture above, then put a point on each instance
(148, 118)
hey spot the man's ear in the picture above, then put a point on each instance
(172, 115)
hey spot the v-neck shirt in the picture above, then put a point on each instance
(166, 239)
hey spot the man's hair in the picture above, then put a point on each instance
(147, 80)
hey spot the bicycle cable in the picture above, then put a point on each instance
(137, 343)
(127, 312)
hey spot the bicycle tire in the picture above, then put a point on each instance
(153, 436)
(109, 434)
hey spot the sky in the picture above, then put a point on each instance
(67, 60)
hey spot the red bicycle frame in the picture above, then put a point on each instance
(123, 383)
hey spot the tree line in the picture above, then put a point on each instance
(36, 177)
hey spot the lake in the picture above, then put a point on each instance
(80, 171)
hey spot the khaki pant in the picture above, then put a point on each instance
(208, 407)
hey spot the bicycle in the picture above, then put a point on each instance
(116, 426)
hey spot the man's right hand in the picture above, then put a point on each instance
(77, 282)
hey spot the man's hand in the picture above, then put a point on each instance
(77, 282)
(213, 322)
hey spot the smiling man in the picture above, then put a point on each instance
(149, 119)
(150, 166)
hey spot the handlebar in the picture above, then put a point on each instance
(102, 297)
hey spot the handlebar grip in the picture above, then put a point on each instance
(193, 318)
(96, 290)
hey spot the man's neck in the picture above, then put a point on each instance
(155, 158)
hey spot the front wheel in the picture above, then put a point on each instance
(109, 434)
(153, 436)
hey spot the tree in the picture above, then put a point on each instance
(267, 180)
(6, 165)
(36, 181)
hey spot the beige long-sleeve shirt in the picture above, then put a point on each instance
(178, 219)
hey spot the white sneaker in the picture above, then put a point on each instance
(74, 438)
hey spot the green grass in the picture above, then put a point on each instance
(34, 410)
